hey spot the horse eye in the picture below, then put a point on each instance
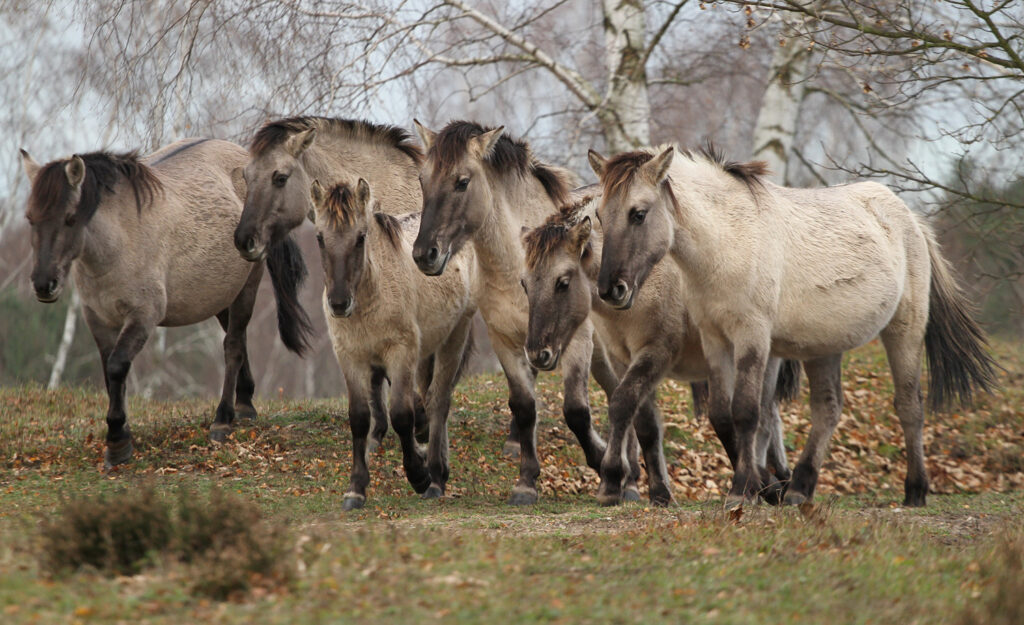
(70, 220)
(637, 216)
(320, 240)
(562, 284)
(461, 184)
(280, 179)
(360, 239)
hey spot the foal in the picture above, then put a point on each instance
(651, 337)
(805, 274)
(149, 243)
(385, 318)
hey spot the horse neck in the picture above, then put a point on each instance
(514, 204)
(110, 232)
(381, 259)
(697, 228)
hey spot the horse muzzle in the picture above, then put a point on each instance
(619, 296)
(47, 292)
(430, 261)
(341, 309)
(545, 359)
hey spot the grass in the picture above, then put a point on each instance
(857, 557)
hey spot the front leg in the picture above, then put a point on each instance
(402, 371)
(130, 341)
(448, 361)
(521, 402)
(751, 358)
(607, 370)
(378, 410)
(358, 383)
(576, 405)
(636, 388)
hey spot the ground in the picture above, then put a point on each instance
(855, 557)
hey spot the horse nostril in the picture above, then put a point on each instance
(432, 254)
(544, 357)
(51, 287)
(619, 291)
(250, 245)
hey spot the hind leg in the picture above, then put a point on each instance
(824, 377)
(378, 410)
(239, 314)
(424, 374)
(903, 348)
(770, 450)
(650, 431)
(438, 404)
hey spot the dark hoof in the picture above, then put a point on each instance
(794, 498)
(353, 501)
(244, 411)
(523, 496)
(608, 499)
(661, 498)
(511, 449)
(434, 492)
(914, 501)
(419, 484)
(117, 452)
(219, 432)
(630, 494)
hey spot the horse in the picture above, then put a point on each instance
(147, 240)
(481, 186)
(286, 155)
(384, 319)
(651, 337)
(803, 274)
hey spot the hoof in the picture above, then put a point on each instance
(772, 493)
(661, 499)
(794, 498)
(244, 411)
(607, 500)
(353, 501)
(916, 501)
(630, 494)
(434, 492)
(735, 502)
(511, 449)
(372, 445)
(117, 452)
(420, 484)
(219, 432)
(523, 496)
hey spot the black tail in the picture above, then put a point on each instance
(287, 272)
(788, 386)
(958, 361)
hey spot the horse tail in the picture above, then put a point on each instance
(958, 361)
(287, 272)
(788, 386)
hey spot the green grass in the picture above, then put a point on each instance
(857, 557)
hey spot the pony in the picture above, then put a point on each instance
(148, 241)
(385, 318)
(803, 274)
(651, 339)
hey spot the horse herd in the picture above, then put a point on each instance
(695, 268)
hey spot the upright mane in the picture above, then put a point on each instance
(274, 133)
(543, 240)
(509, 156)
(51, 190)
(621, 169)
(341, 211)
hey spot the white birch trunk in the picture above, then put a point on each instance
(775, 128)
(66, 339)
(626, 111)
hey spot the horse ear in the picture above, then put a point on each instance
(580, 235)
(74, 169)
(597, 162)
(317, 194)
(486, 142)
(299, 142)
(426, 134)
(31, 166)
(363, 196)
(656, 169)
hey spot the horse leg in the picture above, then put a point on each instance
(402, 371)
(438, 399)
(129, 342)
(636, 388)
(650, 430)
(424, 374)
(824, 376)
(721, 381)
(245, 388)
(357, 383)
(576, 405)
(701, 394)
(522, 403)
(770, 450)
(903, 346)
(603, 370)
(239, 314)
(750, 353)
(378, 410)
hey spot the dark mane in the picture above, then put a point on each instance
(750, 173)
(509, 156)
(51, 191)
(543, 240)
(620, 170)
(341, 212)
(274, 133)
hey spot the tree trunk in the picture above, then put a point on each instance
(625, 113)
(66, 339)
(775, 128)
